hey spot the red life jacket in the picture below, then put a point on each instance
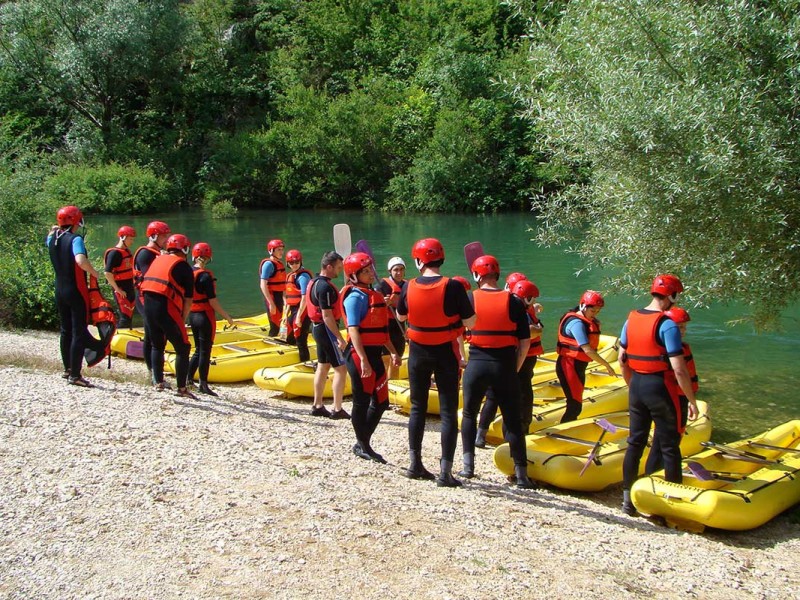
(567, 346)
(138, 275)
(493, 327)
(374, 327)
(159, 280)
(277, 281)
(200, 300)
(102, 316)
(124, 271)
(644, 353)
(427, 322)
(396, 290)
(536, 344)
(292, 293)
(313, 309)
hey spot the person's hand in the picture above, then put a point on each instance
(341, 343)
(396, 360)
(272, 308)
(538, 308)
(296, 329)
(230, 321)
(462, 363)
(693, 411)
(366, 369)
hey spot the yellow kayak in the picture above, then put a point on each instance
(735, 486)
(129, 343)
(604, 393)
(298, 380)
(238, 361)
(558, 454)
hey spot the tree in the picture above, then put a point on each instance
(102, 59)
(683, 116)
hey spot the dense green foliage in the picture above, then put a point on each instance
(360, 103)
(684, 115)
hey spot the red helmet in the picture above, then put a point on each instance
(274, 244)
(69, 215)
(355, 262)
(678, 314)
(126, 231)
(427, 251)
(513, 278)
(592, 298)
(178, 241)
(157, 228)
(293, 256)
(462, 280)
(200, 250)
(666, 285)
(485, 265)
(525, 289)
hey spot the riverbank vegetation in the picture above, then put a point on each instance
(666, 131)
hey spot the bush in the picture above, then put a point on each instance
(110, 188)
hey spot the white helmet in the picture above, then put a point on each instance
(395, 261)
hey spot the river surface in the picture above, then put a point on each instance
(749, 379)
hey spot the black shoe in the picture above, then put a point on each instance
(629, 509)
(360, 452)
(526, 484)
(447, 480)
(480, 443)
(339, 414)
(320, 411)
(466, 473)
(80, 382)
(204, 389)
(419, 472)
(375, 456)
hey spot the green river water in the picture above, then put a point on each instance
(749, 379)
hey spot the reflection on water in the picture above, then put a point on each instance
(749, 379)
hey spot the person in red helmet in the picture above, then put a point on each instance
(654, 366)
(71, 265)
(273, 283)
(578, 339)
(527, 292)
(118, 262)
(655, 460)
(202, 316)
(157, 233)
(498, 344)
(367, 318)
(295, 295)
(168, 288)
(437, 309)
(391, 287)
(324, 306)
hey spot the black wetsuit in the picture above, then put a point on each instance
(141, 262)
(396, 331)
(203, 330)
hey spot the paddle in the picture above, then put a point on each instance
(342, 242)
(363, 246)
(472, 251)
(698, 471)
(134, 349)
(771, 447)
(738, 454)
(607, 427)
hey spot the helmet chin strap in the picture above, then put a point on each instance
(420, 264)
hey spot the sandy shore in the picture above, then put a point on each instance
(123, 492)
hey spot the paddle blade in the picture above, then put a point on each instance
(606, 425)
(698, 471)
(472, 251)
(134, 349)
(342, 242)
(363, 246)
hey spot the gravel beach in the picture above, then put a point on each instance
(123, 492)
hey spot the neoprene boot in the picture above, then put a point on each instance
(627, 504)
(446, 478)
(523, 481)
(417, 470)
(480, 438)
(204, 389)
(469, 465)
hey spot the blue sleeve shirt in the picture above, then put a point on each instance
(268, 270)
(302, 282)
(577, 329)
(356, 305)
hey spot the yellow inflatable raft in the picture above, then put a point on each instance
(559, 455)
(129, 343)
(604, 393)
(298, 380)
(400, 395)
(545, 369)
(238, 361)
(737, 486)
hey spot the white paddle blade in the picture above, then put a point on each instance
(342, 241)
